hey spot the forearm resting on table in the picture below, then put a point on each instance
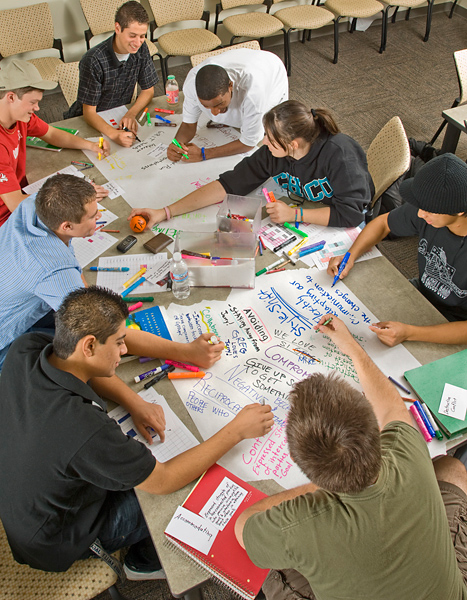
(186, 132)
(317, 216)
(92, 118)
(372, 234)
(13, 199)
(143, 343)
(144, 98)
(444, 333)
(113, 388)
(205, 196)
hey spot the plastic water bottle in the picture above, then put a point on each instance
(179, 275)
(171, 90)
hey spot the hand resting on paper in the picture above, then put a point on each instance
(148, 415)
(391, 333)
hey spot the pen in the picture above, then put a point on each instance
(136, 137)
(135, 306)
(101, 222)
(135, 277)
(341, 268)
(260, 246)
(148, 374)
(158, 377)
(275, 270)
(295, 230)
(140, 299)
(304, 252)
(142, 114)
(177, 143)
(399, 385)
(101, 146)
(196, 254)
(109, 268)
(198, 375)
(284, 244)
(162, 119)
(164, 110)
(181, 365)
(429, 416)
(134, 286)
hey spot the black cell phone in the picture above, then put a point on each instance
(127, 243)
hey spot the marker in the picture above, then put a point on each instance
(144, 359)
(164, 110)
(284, 244)
(109, 268)
(148, 117)
(86, 168)
(151, 372)
(328, 321)
(110, 230)
(320, 243)
(133, 287)
(165, 124)
(399, 385)
(214, 340)
(81, 164)
(297, 246)
(140, 299)
(429, 416)
(341, 268)
(180, 365)
(260, 246)
(272, 197)
(101, 222)
(135, 306)
(196, 254)
(198, 375)
(177, 143)
(142, 114)
(420, 423)
(163, 120)
(101, 146)
(142, 271)
(310, 251)
(266, 194)
(127, 130)
(424, 418)
(274, 264)
(158, 377)
(295, 230)
(275, 271)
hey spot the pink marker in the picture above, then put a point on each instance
(266, 195)
(135, 306)
(420, 423)
(181, 365)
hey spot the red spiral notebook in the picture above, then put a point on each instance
(214, 504)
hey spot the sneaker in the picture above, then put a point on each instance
(135, 574)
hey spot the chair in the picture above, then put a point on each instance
(199, 58)
(451, 12)
(29, 29)
(83, 580)
(460, 60)
(388, 158)
(252, 24)
(100, 17)
(68, 79)
(302, 16)
(408, 4)
(355, 9)
(182, 42)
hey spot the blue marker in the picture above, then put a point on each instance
(341, 268)
(134, 286)
(424, 418)
(147, 374)
(162, 119)
(310, 250)
(109, 268)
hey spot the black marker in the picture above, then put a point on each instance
(284, 244)
(136, 137)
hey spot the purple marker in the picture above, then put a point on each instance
(150, 373)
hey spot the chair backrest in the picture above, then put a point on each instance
(170, 11)
(226, 4)
(198, 58)
(26, 29)
(68, 79)
(460, 58)
(100, 14)
(388, 156)
(83, 580)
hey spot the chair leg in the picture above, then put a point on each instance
(287, 55)
(443, 124)
(163, 71)
(407, 14)
(304, 36)
(428, 20)
(115, 594)
(452, 9)
(383, 32)
(166, 66)
(353, 24)
(385, 27)
(308, 37)
(336, 39)
(394, 15)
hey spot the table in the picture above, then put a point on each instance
(404, 303)
(456, 118)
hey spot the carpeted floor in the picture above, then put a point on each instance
(412, 79)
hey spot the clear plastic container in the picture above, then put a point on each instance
(171, 90)
(179, 275)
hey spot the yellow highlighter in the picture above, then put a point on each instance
(141, 272)
(101, 146)
(298, 246)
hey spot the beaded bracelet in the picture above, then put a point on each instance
(167, 213)
(203, 154)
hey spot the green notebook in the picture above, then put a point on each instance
(428, 382)
(35, 142)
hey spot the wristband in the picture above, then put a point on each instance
(301, 214)
(203, 154)
(167, 213)
(296, 218)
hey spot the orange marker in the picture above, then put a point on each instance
(190, 375)
(272, 197)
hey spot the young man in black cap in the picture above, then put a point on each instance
(435, 209)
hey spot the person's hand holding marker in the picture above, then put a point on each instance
(280, 212)
(333, 327)
(101, 148)
(334, 265)
(176, 151)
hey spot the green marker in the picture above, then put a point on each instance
(261, 272)
(328, 321)
(177, 143)
(148, 116)
(429, 416)
(295, 230)
(139, 299)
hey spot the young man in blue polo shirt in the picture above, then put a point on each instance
(109, 72)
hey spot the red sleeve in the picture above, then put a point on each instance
(37, 127)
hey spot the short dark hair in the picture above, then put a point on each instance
(292, 119)
(20, 91)
(131, 12)
(87, 311)
(211, 81)
(333, 434)
(63, 198)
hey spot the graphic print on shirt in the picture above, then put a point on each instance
(16, 152)
(3, 178)
(438, 274)
(316, 190)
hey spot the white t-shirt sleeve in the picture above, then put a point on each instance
(191, 109)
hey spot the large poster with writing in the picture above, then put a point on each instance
(271, 345)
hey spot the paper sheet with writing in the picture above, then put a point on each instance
(271, 345)
(453, 402)
(223, 503)
(114, 280)
(177, 437)
(192, 529)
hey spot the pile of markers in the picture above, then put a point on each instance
(161, 121)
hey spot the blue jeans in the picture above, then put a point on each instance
(124, 526)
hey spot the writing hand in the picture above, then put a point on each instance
(148, 415)
(130, 123)
(333, 266)
(338, 332)
(174, 153)
(202, 353)
(254, 420)
(193, 152)
(280, 212)
(152, 215)
(104, 151)
(123, 138)
(390, 333)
